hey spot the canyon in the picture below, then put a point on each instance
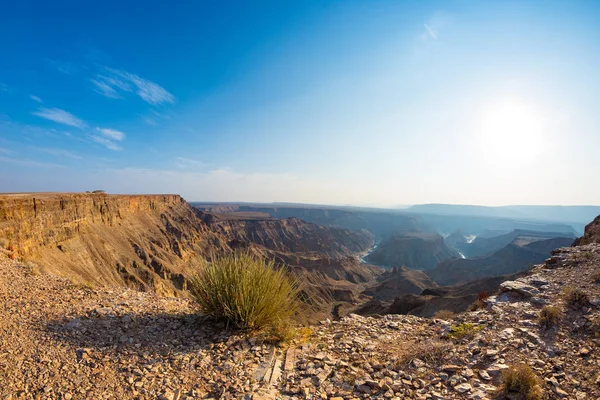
(141, 339)
(348, 260)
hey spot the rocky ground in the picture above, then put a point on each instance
(64, 341)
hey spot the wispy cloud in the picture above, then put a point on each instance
(65, 67)
(58, 152)
(3, 87)
(25, 162)
(60, 116)
(111, 133)
(105, 89)
(156, 117)
(182, 162)
(35, 98)
(5, 151)
(436, 25)
(109, 144)
(115, 80)
(430, 31)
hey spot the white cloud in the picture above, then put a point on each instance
(25, 162)
(430, 31)
(111, 133)
(224, 185)
(109, 144)
(436, 25)
(105, 89)
(58, 152)
(60, 116)
(117, 80)
(182, 162)
(35, 98)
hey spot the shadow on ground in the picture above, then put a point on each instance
(146, 333)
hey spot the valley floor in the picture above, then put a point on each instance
(65, 341)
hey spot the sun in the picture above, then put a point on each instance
(510, 134)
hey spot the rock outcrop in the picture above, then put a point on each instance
(592, 233)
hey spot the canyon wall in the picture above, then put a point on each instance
(148, 242)
(290, 235)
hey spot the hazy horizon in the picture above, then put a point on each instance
(363, 103)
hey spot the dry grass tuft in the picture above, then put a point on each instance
(479, 303)
(248, 293)
(523, 381)
(549, 317)
(432, 352)
(576, 298)
(444, 314)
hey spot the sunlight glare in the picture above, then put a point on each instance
(510, 135)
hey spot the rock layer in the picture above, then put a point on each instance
(290, 235)
(145, 242)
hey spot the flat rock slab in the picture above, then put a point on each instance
(519, 287)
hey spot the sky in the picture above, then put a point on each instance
(376, 103)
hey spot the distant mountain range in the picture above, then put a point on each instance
(567, 214)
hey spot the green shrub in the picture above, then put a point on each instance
(522, 380)
(464, 330)
(549, 317)
(444, 314)
(247, 292)
(576, 298)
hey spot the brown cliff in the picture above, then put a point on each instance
(592, 233)
(290, 235)
(148, 242)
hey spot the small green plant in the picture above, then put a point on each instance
(549, 317)
(464, 331)
(444, 314)
(248, 293)
(576, 298)
(523, 381)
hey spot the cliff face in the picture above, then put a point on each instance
(381, 224)
(144, 242)
(290, 235)
(592, 233)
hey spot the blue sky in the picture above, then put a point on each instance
(338, 102)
